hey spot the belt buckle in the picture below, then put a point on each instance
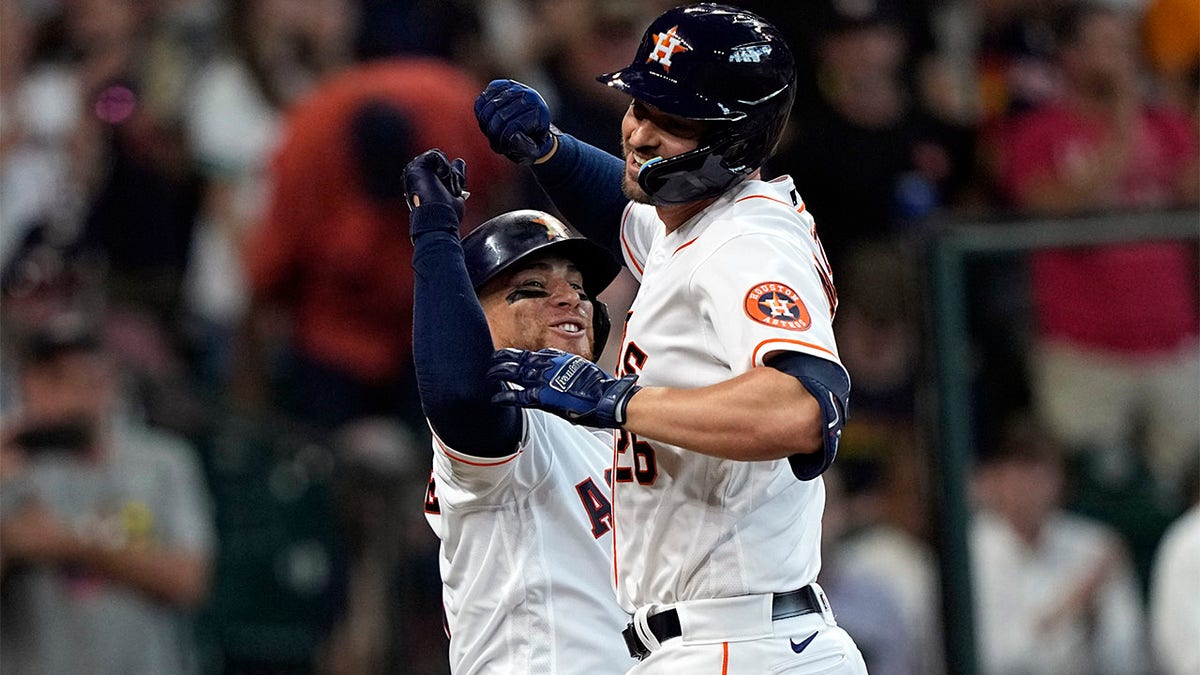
(820, 601)
(634, 644)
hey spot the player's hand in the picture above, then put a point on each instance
(431, 178)
(567, 385)
(516, 121)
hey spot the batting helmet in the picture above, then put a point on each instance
(504, 241)
(714, 63)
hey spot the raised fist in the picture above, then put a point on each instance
(516, 121)
(431, 178)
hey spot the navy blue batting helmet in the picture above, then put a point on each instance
(719, 64)
(503, 242)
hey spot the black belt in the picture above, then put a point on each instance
(665, 625)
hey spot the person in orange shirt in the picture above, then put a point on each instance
(332, 252)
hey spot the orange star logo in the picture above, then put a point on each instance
(553, 229)
(665, 45)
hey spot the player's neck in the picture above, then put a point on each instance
(675, 215)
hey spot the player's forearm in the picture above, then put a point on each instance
(585, 184)
(760, 415)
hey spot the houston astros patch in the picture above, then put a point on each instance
(778, 306)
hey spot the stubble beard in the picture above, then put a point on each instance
(629, 186)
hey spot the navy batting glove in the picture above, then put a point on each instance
(430, 179)
(567, 385)
(516, 121)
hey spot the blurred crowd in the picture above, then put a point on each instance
(213, 455)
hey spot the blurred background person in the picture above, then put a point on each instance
(274, 52)
(106, 533)
(1116, 328)
(393, 578)
(868, 157)
(1055, 592)
(868, 598)
(1175, 588)
(331, 254)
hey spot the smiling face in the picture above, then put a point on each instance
(646, 133)
(542, 304)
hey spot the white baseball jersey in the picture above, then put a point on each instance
(526, 549)
(744, 278)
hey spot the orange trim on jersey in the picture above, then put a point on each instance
(778, 201)
(685, 245)
(625, 243)
(754, 358)
(724, 658)
(612, 504)
(454, 456)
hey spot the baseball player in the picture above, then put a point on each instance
(730, 396)
(518, 498)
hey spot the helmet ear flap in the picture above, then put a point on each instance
(696, 174)
(601, 327)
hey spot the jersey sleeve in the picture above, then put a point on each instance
(761, 293)
(465, 480)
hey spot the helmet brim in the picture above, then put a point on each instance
(596, 265)
(664, 93)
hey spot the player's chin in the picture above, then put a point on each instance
(579, 343)
(633, 191)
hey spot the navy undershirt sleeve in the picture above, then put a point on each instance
(452, 346)
(829, 385)
(584, 182)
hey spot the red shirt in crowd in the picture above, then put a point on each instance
(1136, 298)
(338, 261)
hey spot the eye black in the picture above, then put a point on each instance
(525, 294)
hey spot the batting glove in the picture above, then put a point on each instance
(430, 179)
(516, 121)
(567, 385)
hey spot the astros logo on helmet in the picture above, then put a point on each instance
(666, 44)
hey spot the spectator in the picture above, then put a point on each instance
(105, 524)
(1015, 60)
(1098, 147)
(1175, 591)
(392, 582)
(1173, 48)
(864, 155)
(1055, 593)
(143, 194)
(331, 253)
(277, 52)
(875, 544)
(868, 598)
(95, 171)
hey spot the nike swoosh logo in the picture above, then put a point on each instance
(837, 417)
(800, 647)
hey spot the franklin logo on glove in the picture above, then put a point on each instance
(565, 384)
(563, 379)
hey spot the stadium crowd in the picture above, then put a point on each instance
(201, 229)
